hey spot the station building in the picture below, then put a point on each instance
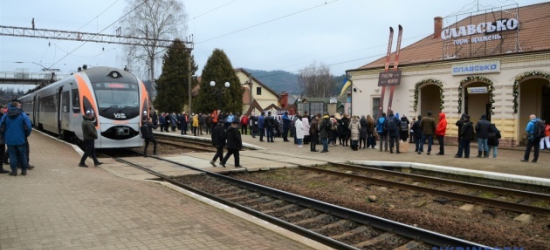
(494, 62)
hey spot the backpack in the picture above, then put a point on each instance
(328, 125)
(390, 124)
(380, 125)
(404, 126)
(538, 131)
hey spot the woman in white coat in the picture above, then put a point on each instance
(299, 132)
(305, 124)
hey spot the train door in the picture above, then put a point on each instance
(58, 109)
(34, 110)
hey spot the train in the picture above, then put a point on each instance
(118, 99)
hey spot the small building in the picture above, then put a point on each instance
(492, 62)
(257, 96)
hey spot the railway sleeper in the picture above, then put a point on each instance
(306, 212)
(336, 224)
(315, 219)
(272, 203)
(281, 209)
(373, 241)
(256, 202)
(239, 192)
(347, 234)
(411, 245)
(243, 198)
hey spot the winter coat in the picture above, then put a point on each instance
(354, 127)
(218, 136)
(340, 128)
(371, 127)
(244, 120)
(299, 129)
(417, 131)
(394, 133)
(380, 126)
(467, 130)
(305, 124)
(323, 131)
(345, 130)
(173, 120)
(162, 120)
(363, 130)
(149, 130)
(441, 126)
(195, 120)
(16, 127)
(234, 140)
(314, 127)
(286, 121)
(261, 122)
(459, 125)
(427, 125)
(89, 132)
(483, 127)
(530, 129)
(493, 140)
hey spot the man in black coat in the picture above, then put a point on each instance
(218, 141)
(483, 127)
(459, 124)
(234, 144)
(466, 134)
(147, 134)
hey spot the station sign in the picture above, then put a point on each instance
(389, 78)
(477, 90)
(482, 67)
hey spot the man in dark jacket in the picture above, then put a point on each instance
(147, 134)
(254, 130)
(466, 134)
(427, 125)
(393, 131)
(89, 132)
(201, 123)
(234, 144)
(313, 132)
(417, 132)
(324, 131)
(15, 128)
(2, 146)
(286, 126)
(218, 141)
(261, 125)
(483, 127)
(269, 125)
(459, 125)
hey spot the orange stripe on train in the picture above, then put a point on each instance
(85, 93)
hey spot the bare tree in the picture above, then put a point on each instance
(152, 20)
(316, 81)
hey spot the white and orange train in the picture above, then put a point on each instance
(118, 98)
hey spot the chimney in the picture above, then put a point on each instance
(438, 26)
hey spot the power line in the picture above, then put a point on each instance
(132, 10)
(262, 23)
(219, 7)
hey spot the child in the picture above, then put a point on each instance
(545, 141)
(492, 141)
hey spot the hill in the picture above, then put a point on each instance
(277, 80)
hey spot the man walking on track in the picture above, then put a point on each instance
(218, 141)
(89, 132)
(234, 144)
(147, 134)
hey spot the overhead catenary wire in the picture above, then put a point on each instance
(128, 13)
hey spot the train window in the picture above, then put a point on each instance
(65, 102)
(76, 101)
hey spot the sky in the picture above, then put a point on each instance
(265, 35)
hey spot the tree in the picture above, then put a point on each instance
(172, 85)
(152, 20)
(218, 68)
(316, 81)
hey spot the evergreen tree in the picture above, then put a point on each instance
(172, 85)
(218, 68)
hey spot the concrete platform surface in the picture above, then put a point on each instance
(61, 206)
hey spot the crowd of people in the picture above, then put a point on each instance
(391, 131)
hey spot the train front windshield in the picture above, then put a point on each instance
(117, 100)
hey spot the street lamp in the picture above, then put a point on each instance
(218, 92)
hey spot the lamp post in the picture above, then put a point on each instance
(218, 92)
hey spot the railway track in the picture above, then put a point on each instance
(361, 172)
(185, 142)
(332, 225)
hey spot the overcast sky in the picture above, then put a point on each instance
(257, 34)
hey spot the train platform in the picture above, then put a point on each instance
(61, 206)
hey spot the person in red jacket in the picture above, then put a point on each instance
(440, 132)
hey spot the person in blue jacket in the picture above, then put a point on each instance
(532, 140)
(15, 127)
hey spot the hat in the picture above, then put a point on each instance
(235, 121)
